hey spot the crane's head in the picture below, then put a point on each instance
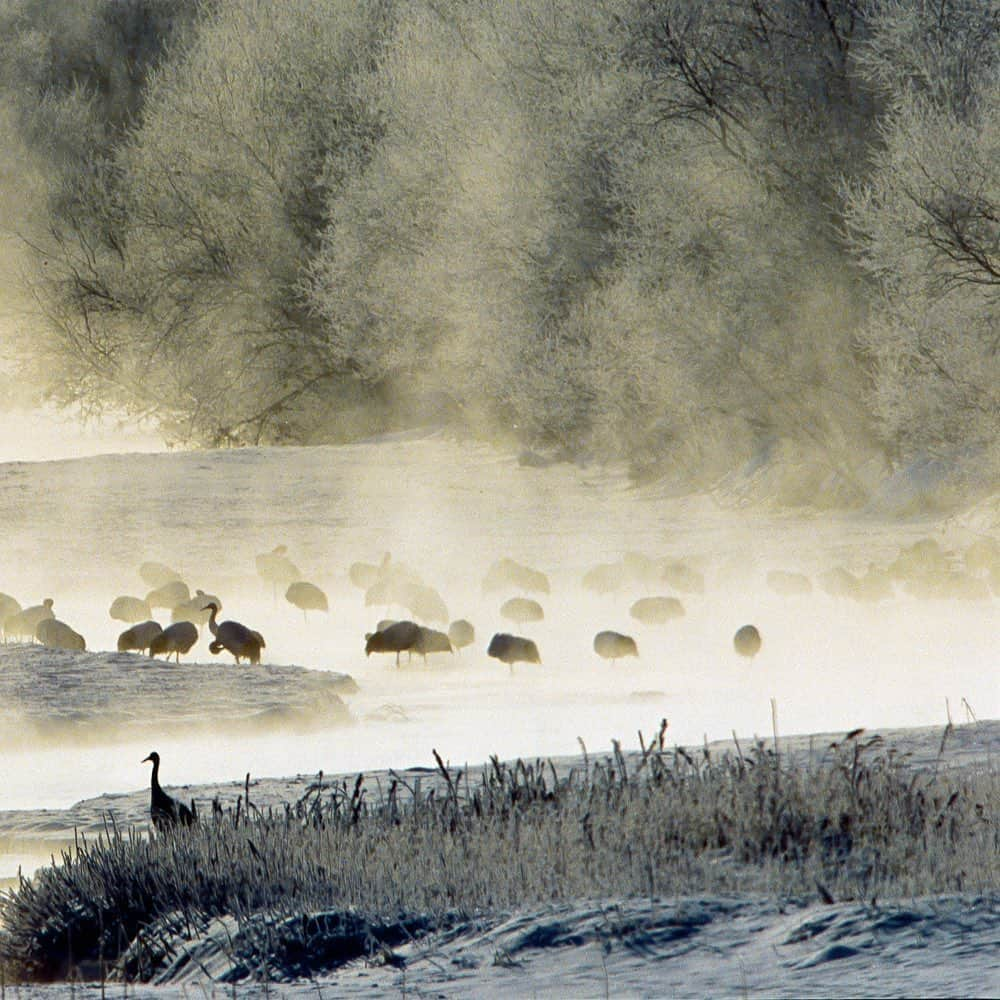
(154, 757)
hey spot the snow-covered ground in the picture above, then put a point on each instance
(59, 698)
(678, 947)
(693, 947)
(699, 947)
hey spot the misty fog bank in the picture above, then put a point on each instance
(46, 434)
(896, 654)
(688, 236)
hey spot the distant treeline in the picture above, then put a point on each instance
(666, 230)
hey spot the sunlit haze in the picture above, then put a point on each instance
(47, 434)
(79, 530)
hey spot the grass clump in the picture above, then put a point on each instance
(349, 868)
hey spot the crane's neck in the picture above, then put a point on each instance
(155, 780)
(213, 625)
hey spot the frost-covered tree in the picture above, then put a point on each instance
(454, 255)
(675, 231)
(926, 226)
(174, 287)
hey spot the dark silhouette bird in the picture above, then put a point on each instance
(431, 640)
(277, 569)
(656, 610)
(614, 645)
(54, 634)
(399, 637)
(522, 610)
(306, 596)
(137, 639)
(242, 642)
(169, 595)
(156, 574)
(747, 641)
(130, 609)
(164, 810)
(511, 649)
(177, 638)
(462, 633)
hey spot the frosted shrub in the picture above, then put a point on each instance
(855, 825)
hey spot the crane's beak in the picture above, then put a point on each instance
(144, 759)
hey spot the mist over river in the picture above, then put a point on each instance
(78, 530)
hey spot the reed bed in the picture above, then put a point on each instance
(854, 824)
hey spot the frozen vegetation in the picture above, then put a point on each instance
(676, 233)
(473, 878)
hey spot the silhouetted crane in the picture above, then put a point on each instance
(507, 572)
(364, 575)
(130, 609)
(54, 634)
(396, 638)
(306, 596)
(511, 649)
(156, 574)
(177, 638)
(656, 610)
(164, 810)
(9, 606)
(242, 642)
(747, 641)
(614, 645)
(169, 595)
(431, 640)
(462, 633)
(522, 610)
(138, 637)
(23, 624)
(194, 610)
(276, 568)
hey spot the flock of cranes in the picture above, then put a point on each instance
(394, 583)
(145, 635)
(387, 583)
(923, 569)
